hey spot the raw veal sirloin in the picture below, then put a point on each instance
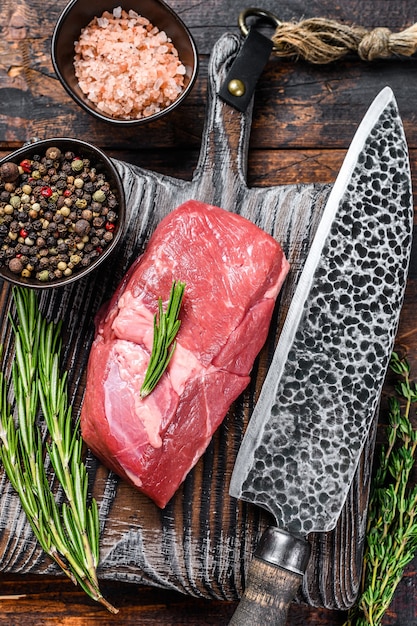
(233, 272)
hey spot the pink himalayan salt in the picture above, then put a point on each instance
(126, 66)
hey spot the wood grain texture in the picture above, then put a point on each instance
(269, 591)
(303, 120)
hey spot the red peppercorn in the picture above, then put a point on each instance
(99, 249)
(46, 191)
(26, 165)
(67, 193)
(109, 226)
(23, 232)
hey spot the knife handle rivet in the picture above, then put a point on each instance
(236, 87)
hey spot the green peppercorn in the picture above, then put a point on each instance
(77, 165)
(99, 196)
(43, 276)
(15, 201)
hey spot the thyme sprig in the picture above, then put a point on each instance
(165, 329)
(392, 519)
(67, 531)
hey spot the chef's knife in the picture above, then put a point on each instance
(304, 440)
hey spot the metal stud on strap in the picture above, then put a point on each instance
(239, 86)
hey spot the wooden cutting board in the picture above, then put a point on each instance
(202, 542)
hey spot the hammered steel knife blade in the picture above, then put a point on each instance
(305, 437)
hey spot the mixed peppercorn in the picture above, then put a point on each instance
(57, 215)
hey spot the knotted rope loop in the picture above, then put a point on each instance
(375, 45)
(320, 40)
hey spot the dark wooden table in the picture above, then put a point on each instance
(304, 119)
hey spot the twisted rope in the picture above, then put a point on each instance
(320, 40)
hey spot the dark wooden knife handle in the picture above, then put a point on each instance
(274, 577)
(267, 596)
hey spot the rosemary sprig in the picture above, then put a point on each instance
(165, 329)
(27, 476)
(68, 532)
(392, 518)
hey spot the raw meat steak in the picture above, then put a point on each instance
(233, 272)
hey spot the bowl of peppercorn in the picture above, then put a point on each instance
(126, 65)
(62, 210)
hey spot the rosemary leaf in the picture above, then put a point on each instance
(166, 326)
(93, 528)
(56, 463)
(71, 528)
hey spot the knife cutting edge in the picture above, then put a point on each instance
(305, 437)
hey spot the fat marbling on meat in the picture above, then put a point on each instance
(233, 273)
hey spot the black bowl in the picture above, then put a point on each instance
(103, 164)
(79, 13)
